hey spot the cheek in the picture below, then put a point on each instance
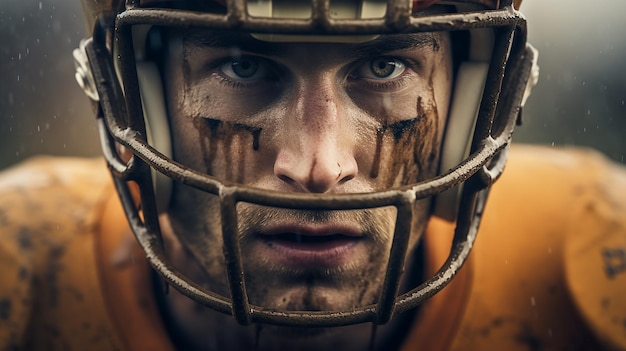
(227, 150)
(195, 237)
(206, 141)
(406, 151)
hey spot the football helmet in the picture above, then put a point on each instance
(493, 77)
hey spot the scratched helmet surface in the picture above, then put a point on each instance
(491, 83)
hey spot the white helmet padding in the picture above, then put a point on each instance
(157, 125)
(459, 130)
(469, 86)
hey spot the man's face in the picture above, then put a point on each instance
(303, 117)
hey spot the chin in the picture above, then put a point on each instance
(314, 297)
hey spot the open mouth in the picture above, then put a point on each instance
(318, 243)
(311, 246)
(310, 239)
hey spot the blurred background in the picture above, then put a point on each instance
(580, 98)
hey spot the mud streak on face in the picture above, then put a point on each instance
(212, 131)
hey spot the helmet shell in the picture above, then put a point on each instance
(93, 9)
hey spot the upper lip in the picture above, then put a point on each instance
(313, 229)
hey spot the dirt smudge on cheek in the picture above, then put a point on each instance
(414, 147)
(225, 144)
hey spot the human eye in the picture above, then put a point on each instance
(380, 69)
(245, 69)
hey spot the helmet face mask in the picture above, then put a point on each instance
(136, 117)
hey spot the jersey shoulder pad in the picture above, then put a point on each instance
(595, 252)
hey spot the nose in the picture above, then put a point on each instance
(317, 152)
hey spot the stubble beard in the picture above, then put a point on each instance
(353, 284)
(280, 287)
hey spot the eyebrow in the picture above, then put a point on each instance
(383, 44)
(398, 42)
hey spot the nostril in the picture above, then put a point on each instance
(347, 178)
(319, 172)
(286, 179)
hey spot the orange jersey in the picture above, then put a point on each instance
(547, 272)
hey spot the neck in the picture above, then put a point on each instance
(194, 327)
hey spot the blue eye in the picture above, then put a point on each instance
(381, 68)
(244, 68)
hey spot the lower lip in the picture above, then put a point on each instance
(314, 255)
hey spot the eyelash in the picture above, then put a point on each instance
(223, 79)
(384, 85)
(409, 65)
(353, 78)
(227, 82)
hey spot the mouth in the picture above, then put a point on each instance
(310, 246)
(310, 241)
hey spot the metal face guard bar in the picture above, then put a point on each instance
(120, 120)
